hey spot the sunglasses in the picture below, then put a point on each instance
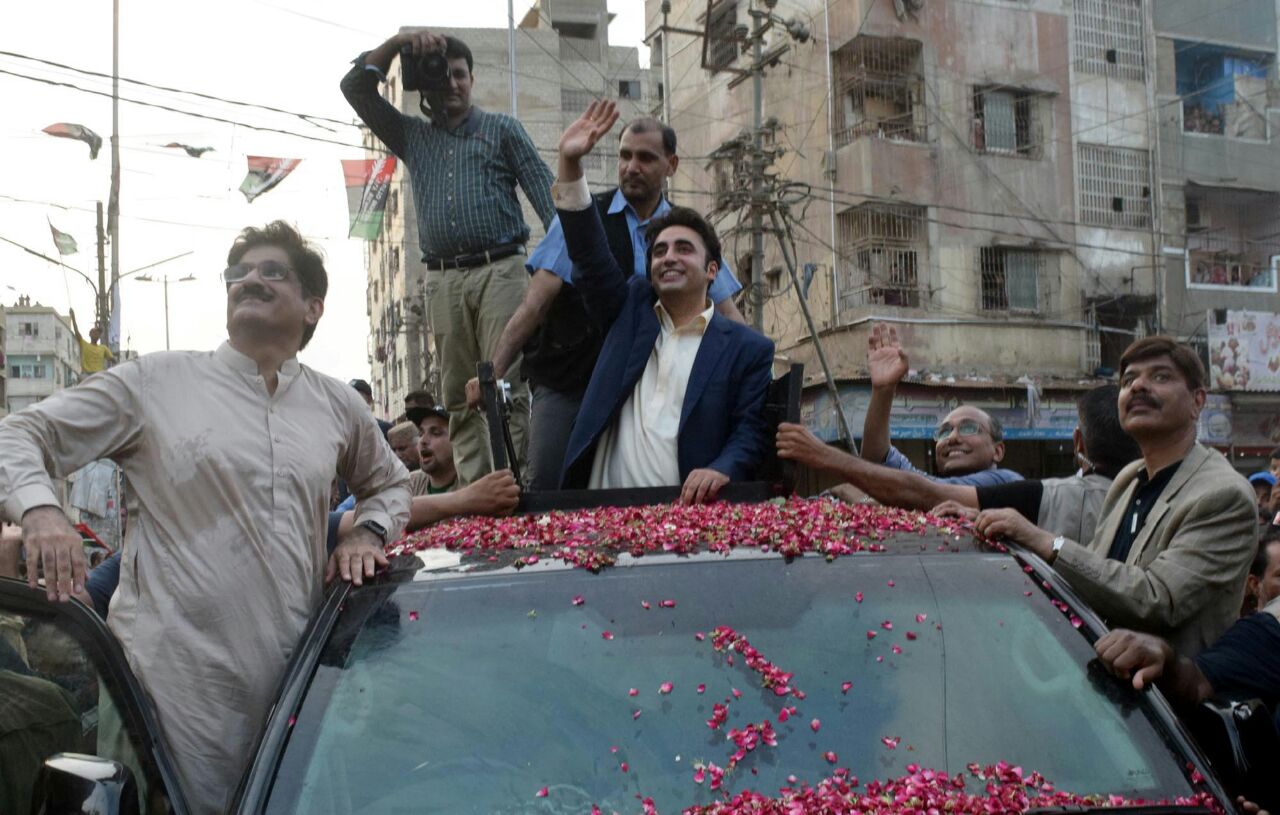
(272, 270)
(966, 427)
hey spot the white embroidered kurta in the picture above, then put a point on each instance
(224, 559)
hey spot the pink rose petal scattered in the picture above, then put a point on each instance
(1076, 622)
(644, 604)
(886, 625)
(542, 793)
(845, 686)
(891, 742)
(668, 603)
(897, 649)
(606, 635)
(815, 725)
(858, 597)
(413, 616)
(633, 692)
(699, 636)
(831, 757)
(921, 617)
(579, 600)
(871, 635)
(665, 688)
(624, 766)
(702, 688)
(892, 584)
(911, 635)
(635, 715)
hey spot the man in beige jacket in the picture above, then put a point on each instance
(1178, 528)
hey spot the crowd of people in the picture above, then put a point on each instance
(259, 478)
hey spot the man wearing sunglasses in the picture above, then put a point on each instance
(230, 455)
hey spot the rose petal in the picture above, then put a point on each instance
(831, 757)
(871, 635)
(668, 603)
(815, 725)
(542, 793)
(858, 597)
(702, 688)
(607, 635)
(579, 600)
(413, 616)
(892, 584)
(897, 649)
(665, 688)
(624, 766)
(911, 635)
(921, 617)
(886, 625)
(891, 742)
(845, 686)
(633, 692)
(635, 715)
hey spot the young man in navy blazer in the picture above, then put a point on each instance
(677, 395)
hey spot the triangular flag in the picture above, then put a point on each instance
(368, 182)
(65, 243)
(66, 130)
(265, 173)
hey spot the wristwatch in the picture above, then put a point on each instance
(1058, 543)
(379, 530)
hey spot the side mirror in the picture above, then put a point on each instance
(76, 784)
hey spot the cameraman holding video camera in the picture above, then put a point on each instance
(464, 164)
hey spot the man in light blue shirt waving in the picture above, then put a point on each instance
(560, 344)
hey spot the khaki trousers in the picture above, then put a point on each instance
(468, 309)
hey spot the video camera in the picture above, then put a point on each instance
(428, 73)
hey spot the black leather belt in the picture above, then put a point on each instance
(476, 259)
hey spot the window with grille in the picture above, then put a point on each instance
(881, 252)
(1010, 278)
(1109, 38)
(629, 89)
(1004, 122)
(1115, 186)
(574, 102)
(722, 43)
(28, 329)
(881, 87)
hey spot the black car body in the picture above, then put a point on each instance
(499, 682)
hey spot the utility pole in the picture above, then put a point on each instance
(757, 170)
(511, 52)
(666, 66)
(113, 202)
(102, 275)
(164, 279)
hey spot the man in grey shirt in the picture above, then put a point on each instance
(230, 455)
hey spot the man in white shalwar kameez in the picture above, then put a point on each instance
(230, 454)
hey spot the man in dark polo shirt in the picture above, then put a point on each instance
(1178, 529)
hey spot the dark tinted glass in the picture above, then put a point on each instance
(470, 695)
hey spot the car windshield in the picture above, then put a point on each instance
(556, 690)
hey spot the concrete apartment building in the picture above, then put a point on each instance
(980, 173)
(41, 354)
(563, 61)
(4, 368)
(1218, 105)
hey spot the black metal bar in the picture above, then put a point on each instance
(496, 415)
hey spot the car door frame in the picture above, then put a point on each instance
(135, 707)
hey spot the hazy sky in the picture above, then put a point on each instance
(288, 55)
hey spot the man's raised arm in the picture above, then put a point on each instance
(596, 274)
(360, 86)
(887, 363)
